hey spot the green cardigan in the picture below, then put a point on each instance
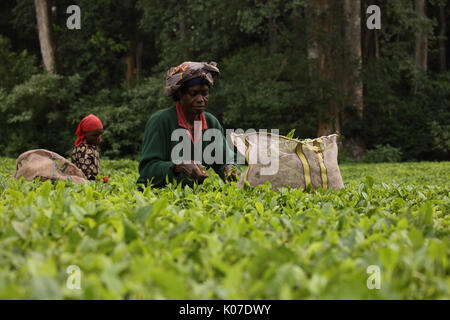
(156, 163)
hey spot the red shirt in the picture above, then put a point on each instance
(199, 124)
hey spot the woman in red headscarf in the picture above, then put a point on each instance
(85, 153)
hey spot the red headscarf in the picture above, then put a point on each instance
(89, 123)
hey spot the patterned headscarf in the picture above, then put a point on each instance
(188, 70)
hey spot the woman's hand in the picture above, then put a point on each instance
(192, 170)
(231, 173)
(99, 178)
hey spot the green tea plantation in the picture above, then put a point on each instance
(385, 236)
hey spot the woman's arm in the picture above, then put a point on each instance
(229, 159)
(155, 165)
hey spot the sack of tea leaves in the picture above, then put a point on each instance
(47, 165)
(289, 162)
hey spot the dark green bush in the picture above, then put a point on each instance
(382, 153)
(15, 68)
(35, 114)
(440, 134)
(406, 113)
(270, 94)
(123, 114)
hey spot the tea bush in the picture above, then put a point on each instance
(219, 242)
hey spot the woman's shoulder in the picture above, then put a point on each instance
(164, 113)
(80, 148)
(162, 116)
(211, 120)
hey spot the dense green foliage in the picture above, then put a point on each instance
(383, 154)
(262, 50)
(219, 242)
(33, 112)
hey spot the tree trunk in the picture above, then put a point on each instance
(183, 36)
(353, 83)
(45, 34)
(272, 35)
(296, 28)
(443, 40)
(421, 37)
(131, 63)
(371, 47)
(181, 24)
(322, 68)
(133, 60)
(139, 54)
(377, 44)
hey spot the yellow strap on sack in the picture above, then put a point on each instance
(247, 152)
(323, 169)
(306, 170)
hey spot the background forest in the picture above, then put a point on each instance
(309, 65)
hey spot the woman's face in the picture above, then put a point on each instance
(94, 137)
(195, 99)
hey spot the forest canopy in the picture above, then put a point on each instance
(310, 65)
